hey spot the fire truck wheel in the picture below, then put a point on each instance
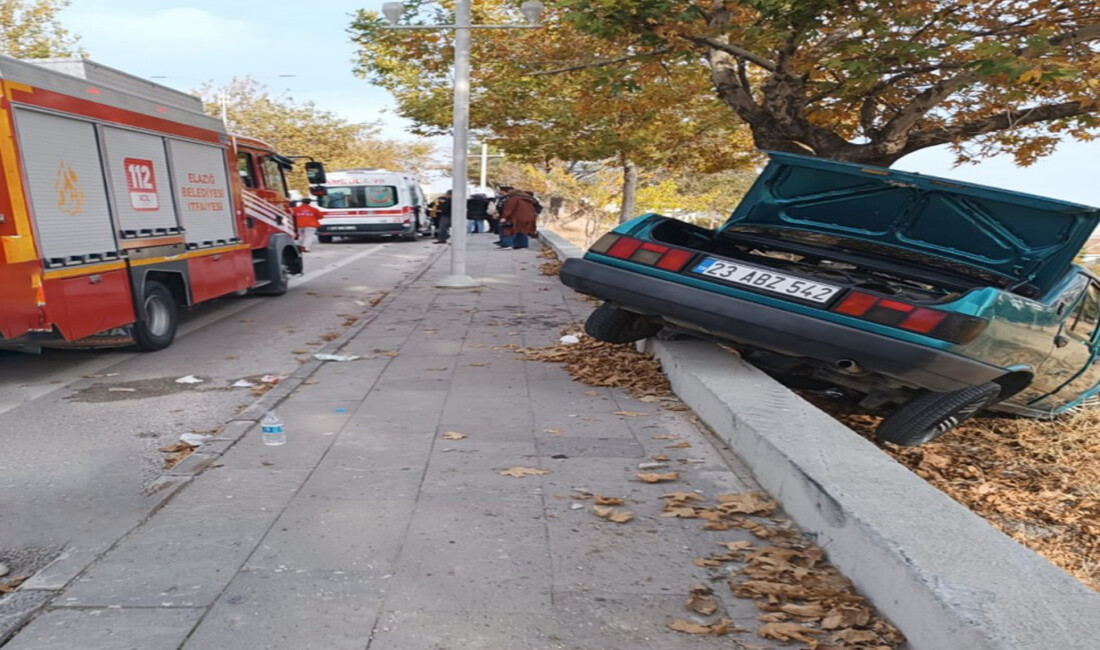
(324, 239)
(157, 327)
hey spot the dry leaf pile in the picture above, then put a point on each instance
(1039, 482)
(801, 596)
(176, 452)
(550, 268)
(606, 364)
(11, 584)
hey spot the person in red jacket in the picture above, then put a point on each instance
(307, 219)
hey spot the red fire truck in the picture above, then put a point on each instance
(121, 203)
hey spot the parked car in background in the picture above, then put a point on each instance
(937, 297)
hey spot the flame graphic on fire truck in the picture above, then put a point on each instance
(70, 198)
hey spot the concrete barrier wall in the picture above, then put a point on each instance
(944, 576)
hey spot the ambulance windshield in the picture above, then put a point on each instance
(341, 197)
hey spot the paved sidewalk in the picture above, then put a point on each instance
(370, 529)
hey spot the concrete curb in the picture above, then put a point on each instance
(939, 572)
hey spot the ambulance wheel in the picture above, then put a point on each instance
(324, 239)
(156, 327)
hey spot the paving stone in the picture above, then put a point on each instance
(322, 610)
(468, 630)
(108, 629)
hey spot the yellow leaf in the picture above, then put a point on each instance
(787, 632)
(453, 435)
(652, 477)
(520, 472)
(608, 501)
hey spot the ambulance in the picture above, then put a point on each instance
(371, 202)
(122, 203)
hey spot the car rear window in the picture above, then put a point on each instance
(341, 197)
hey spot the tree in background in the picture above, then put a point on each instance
(29, 29)
(304, 130)
(658, 117)
(870, 81)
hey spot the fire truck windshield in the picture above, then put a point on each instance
(341, 197)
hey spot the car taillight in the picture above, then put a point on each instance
(943, 325)
(648, 253)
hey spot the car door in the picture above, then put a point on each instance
(1074, 360)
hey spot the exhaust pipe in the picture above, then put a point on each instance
(848, 366)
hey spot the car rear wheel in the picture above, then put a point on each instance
(930, 415)
(615, 325)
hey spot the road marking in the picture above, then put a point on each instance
(46, 386)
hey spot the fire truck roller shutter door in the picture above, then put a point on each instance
(202, 194)
(65, 181)
(138, 168)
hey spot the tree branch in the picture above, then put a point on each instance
(733, 50)
(599, 63)
(999, 122)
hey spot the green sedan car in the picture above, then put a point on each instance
(932, 296)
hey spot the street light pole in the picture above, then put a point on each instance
(531, 10)
(484, 164)
(458, 279)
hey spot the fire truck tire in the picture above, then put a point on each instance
(324, 239)
(281, 282)
(157, 327)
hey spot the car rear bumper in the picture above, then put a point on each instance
(351, 230)
(775, 329)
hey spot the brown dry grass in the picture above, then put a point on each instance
(1039, 482)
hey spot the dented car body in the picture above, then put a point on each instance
(944, 298)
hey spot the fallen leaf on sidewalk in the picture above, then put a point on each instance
(430, 331)
(613, 515)
(747, 503)
(701, 600)
(683, 444)
(680, 498)
(621, 517)
(520, 472)
(649, 398)
(438, 369)
(453, 435)
(633, 414)
(552, 430)
(479, 365)
(592, 393)
(391, 353)
(11, 584)
(719, 628)
(608, 501)
(664, 436)
(652, 477)
(787, 632)
(660, 458)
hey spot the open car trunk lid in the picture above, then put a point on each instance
(1008, 238)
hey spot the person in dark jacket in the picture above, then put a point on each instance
(496, 223)
(477, 211)
(519, 215)
(443, 212)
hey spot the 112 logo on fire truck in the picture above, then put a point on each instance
(141, 183)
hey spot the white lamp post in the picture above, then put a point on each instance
(531, 10)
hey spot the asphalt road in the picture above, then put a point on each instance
(80, 430)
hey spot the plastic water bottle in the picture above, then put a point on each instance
(272, 428)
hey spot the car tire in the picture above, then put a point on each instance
(324, 239)
(156, 328)
(615, 325)
(930, 415)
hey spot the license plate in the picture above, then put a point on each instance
(766, 280)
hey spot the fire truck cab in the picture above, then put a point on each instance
(122, 202)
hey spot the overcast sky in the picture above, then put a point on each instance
(191, 42)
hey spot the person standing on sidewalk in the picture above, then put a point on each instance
(499, 200)
(477, 210)
(519, 213)
(443, 211)
(307, 219)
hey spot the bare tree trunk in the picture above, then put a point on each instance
(630, 191)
